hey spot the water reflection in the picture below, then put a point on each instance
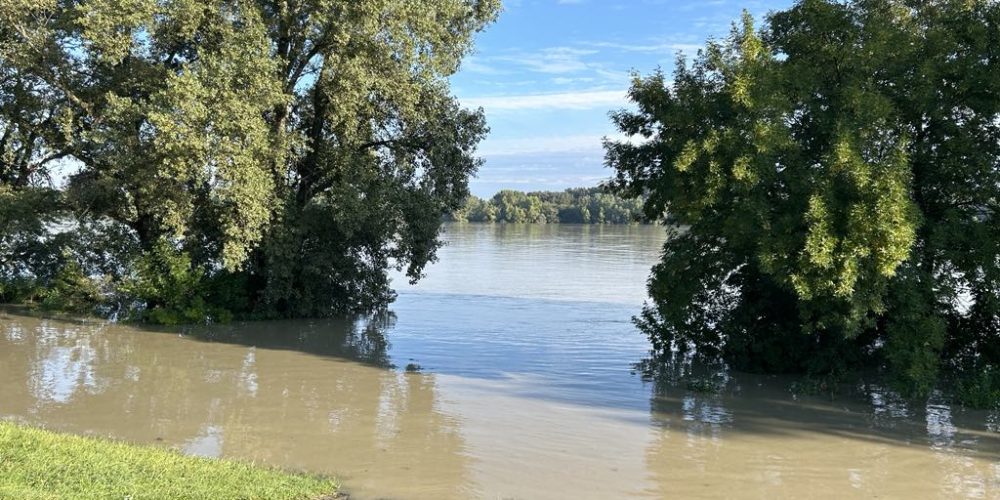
(527, 345)
(360, 339)
(322, 402)
(605, 264)
(393, 434)
(873, 444)
(67, 367)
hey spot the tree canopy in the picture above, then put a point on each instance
(835, 179)
(202, 157)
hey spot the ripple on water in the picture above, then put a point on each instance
(526, 345)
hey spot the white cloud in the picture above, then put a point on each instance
(477, 65)
(555, 60)
(565, 80)
(651, 48)
(535, 145)
(588, 147)
(588, 99)
(568, 181)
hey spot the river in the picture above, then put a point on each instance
(521, 384)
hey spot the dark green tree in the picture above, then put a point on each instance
(833, 179)
(288, 150)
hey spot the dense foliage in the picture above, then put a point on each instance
(212, 157)
(836, 176)
(572, 206)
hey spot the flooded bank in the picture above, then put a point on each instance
(526, 390)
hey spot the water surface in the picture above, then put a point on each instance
(526, 390)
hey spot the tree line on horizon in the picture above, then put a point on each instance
(836, 173)
(594, 205)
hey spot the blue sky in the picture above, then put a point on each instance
(549, 71)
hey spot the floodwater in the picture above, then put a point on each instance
(525, 390)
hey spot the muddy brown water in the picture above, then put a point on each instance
(525, 390)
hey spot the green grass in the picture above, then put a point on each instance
(38, 464)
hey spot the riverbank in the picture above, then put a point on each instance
(592, 205)
(35, 463)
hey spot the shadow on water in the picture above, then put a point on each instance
(361, 339)
(767, 407)
(744, 404)
(304, 395)
(527, 392)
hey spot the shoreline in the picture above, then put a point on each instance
(38, 463)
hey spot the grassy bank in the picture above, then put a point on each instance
(38, 464)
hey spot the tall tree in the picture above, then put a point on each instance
(294, 149)
(836, 178)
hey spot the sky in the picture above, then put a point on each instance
(548, 72)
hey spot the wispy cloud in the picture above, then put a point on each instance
(474, 64)
(552, 60)
(650, 48)
(588, 99)
(569, 80)
(586, 143)
(549, 71)
(565, 182)
(591, 64)
(588, 147)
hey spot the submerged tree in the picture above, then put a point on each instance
(835, 179)
(264, 157)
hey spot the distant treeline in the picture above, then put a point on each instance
(572, 206)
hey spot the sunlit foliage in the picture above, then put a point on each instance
(835, 176)
(268, 158)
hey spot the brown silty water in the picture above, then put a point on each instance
(525, 392)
